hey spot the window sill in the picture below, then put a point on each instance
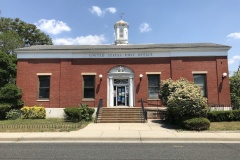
(153, 99)
(43, 100)
(88, 99)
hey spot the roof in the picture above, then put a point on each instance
(124, 47)
(121, 22)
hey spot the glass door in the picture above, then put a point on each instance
(120, 96)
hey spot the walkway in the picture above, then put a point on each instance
(123, 132)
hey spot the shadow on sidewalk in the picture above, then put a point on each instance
(164, 124)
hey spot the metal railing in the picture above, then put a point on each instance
(40, 126)
(143, 111)
(219, 107)
(98, 109)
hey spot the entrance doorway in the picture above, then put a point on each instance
(121, 96)
(120, 87)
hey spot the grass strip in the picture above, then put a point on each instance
(40, 125)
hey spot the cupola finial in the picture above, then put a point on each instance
(121, 15)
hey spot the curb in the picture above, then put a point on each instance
(125, 139)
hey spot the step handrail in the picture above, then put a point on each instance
(143, 110)
(98, 109)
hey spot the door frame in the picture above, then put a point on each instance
(120, 72)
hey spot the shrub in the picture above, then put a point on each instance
(236, 115)
(12, 114)
(72, 113)
(197, 124)
(35, 112)
(79, 113)
(167, 88)
(4, 108)
(185, 102)
(218, 116)
(11, 94)
(235, 101)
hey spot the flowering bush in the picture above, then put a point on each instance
(184, 100)
(35, 112)
(169, 86)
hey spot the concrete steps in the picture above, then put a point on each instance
(120, 115)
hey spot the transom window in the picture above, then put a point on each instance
(200, 80)
(89, 86)
(44, 87)
(153, 86)
(120, 81)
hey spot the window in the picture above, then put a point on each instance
(200, 80)
(153, 86)
(121, 33)
(89, 83)
(44, 87)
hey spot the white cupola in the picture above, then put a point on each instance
(121, 32)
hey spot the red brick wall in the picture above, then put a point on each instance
(66, 80)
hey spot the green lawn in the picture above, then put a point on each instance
(40, 125)
(225, 126)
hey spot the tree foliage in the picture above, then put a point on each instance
(7, 68)
(235, 90)
(9, 41)
(28, 33)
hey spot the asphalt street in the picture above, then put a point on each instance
(173, 151)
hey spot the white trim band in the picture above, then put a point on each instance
(71, 55)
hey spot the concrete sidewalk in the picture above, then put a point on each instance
(152, 131)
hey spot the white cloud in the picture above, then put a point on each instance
(145, 27)
(233, 59)
(52, 26)
(82, 40)
(96, 10)
(101, 12)
(111, 10)
(235, 35)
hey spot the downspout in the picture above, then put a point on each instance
(217, 80)
(171, 67)
(60, 78)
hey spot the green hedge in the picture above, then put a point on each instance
(218, 116)
(4, 108)
(197, 124)
(79, 113)
(35, 112)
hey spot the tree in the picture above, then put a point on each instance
(7, 69)
(14, 34)
(28, 33)
(235, 90)
(9, 41)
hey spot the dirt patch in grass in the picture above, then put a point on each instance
(40, 125)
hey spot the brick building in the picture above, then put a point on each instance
(120, 74)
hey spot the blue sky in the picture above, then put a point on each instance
(150, 21)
